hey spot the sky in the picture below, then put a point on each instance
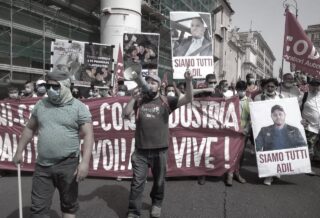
(267, 17)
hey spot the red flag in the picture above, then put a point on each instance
(298, 48)
(165, 78)
(118, 72)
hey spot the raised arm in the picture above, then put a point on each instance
(188, 97)
(128, 110)
(198, 91)
(25, 138)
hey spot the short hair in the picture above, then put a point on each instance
(249, 75)
(12, 88)
(210, 76)
(277, 107)
(273, 80)
(263, 83)
(286, 74)
(168, 86)
(241, 85)
(222, 81)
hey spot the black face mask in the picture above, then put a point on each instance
(75, 94)
(151, 94)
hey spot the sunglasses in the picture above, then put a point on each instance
(271, 87)
(54, 86)
(215, 82)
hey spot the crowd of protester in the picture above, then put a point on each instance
(305, 89)
(298, 85)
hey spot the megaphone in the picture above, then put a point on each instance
(131, 73)
(134, 73)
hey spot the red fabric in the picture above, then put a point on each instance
(200, 141)
(298, 48)
(118, 72)
(165, 79)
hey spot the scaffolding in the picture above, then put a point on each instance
(27, 28)
(26, 31)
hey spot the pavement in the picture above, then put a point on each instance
(290, 196)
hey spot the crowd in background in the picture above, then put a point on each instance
(305, 89)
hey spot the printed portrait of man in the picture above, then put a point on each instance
(198, 44)
(279, 135)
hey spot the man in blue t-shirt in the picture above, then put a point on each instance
(152, 112)
(58, 120)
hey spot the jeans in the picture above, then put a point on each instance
(47, 179)
(141, 160)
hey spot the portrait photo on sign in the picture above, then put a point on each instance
(191, 44)
(277, 125)
(191, 34)
(140, 53)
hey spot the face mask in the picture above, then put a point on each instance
(211, 85)
(172, 94)
(96, 94)
(241, 94)
(270, 93)
(152, 94)
(121, 93)
(103, 93)
(288, 84)
(224, 89)
(27, 90)
(251, 81)
(75, 94)
(13, 96)
(53, 95)
(41, 90)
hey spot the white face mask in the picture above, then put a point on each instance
(54, 95)
(288, 84)
(13, 96)
(211, 85)
(251, 81)
(121, 93)
(172, 94)
(241, 93)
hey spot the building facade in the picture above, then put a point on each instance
(27, 28)
(259, 58)
(313, 31)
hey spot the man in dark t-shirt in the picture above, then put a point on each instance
(151, 140)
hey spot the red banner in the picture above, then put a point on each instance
(205, 137)
(298, 48)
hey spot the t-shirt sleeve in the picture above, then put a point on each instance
(34, 112)
(173, 102)
(84, 114)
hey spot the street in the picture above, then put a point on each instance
(290, 196)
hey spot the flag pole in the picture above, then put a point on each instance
(286, 6)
